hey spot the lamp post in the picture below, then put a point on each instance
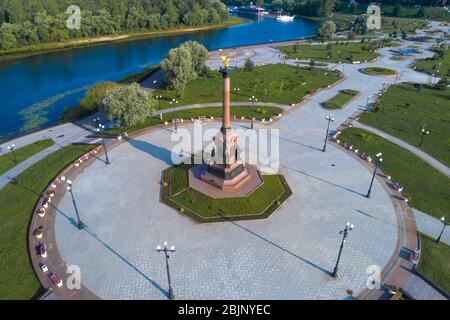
(96, 120)
(424, 133)
(349, 227)
(174, 103)
(101, 129)
(12, 148)
(166, 254)
(236, 91)
(378, 161)
(159, 98)
(445, 224)
(330, 119)
(367, 104)
(253, 100)
(70, 189)
(396, 79)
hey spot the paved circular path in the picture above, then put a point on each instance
(288, 256)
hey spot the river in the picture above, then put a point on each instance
(35, 90)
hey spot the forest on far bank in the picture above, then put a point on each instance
(31, 22)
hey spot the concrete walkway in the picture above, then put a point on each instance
(431, 226)
(62, 135)
(421, 290)
(18, 169)
(423, 155)
(285, 107)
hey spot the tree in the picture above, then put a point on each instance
(326, 31)
(421, 13)
(326, 7)
(360, 24)
(249, 65)
(397, 10)
(354, 7)
(28, 34)
(316, 8)
(172, 14)
(43, 23)
(277, 4)
(129, 105)
(7, 38)
(96, 94)
(103, 17)
(178, 69)
(199, 56)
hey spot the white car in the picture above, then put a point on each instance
(44, 268)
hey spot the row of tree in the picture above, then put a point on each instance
(27, 22)
(316, 8)
(428, 3)
(324, 8)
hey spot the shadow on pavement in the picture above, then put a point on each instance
(155, 151)
(323, 180)
(95, 237)
(279, 247)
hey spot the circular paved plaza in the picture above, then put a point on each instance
(288, 256)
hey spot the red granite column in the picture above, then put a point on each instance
(226, 119)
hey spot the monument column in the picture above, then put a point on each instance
(226, 118)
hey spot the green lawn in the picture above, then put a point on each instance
(177, 193)
(405, 109)
(380, 71)
(341, 99)
(397, 58)
(7, 161)
(258, 113)
(17, 201)
(434, 261)
(137, 77)
(406, 12)
(399, 25)
(406, 23)
(436, 65)
(427, 188)
(257, 202)
(339, 52)
(271, 83)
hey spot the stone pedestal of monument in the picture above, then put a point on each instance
(229, 176)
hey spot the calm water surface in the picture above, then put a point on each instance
(34, 91)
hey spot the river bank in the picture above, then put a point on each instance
(78, 115)
(59, 80)
(27, 51)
